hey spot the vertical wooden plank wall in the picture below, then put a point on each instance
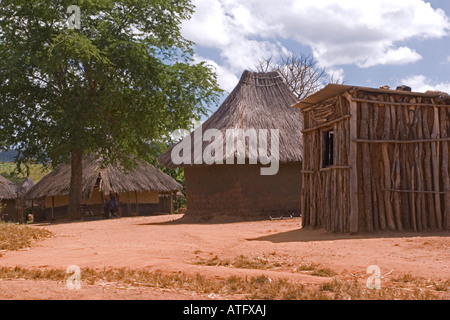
(324, 204)
(403, 147)
(391, 169)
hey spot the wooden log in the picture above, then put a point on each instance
(435, 148)
(380, 200)
(387, 171)
(53, 209)
(326, 124)
(374, 114)
(391, 141)
(444, 118)
(431, 212)
(335, 195)
(396, 195)
(352, 159)
(331, 201)
(419, 157)
(306, 214)
(366, 168)
(313, 187)
(341, 192)
(396, 176)
(402, 118)
(413, 200)
(137, 203)
(393, 103)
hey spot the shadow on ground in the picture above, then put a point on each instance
(211, 220)
(312, 235)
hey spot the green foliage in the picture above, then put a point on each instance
(178, 175)
(123, 80)
(11, 172)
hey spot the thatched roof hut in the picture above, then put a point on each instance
(26, 185)
(260, 101)
(139, 188)
(7, 189)
(8, 195)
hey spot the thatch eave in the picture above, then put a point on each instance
(7, 189)
(143, 178)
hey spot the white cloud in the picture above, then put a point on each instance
(364, 33)
(335, 75)
(420, 83)
(227, 80)
(231, 28)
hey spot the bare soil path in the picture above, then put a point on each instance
(171, 245)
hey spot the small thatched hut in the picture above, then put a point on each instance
(259, 104)
(138, 191)
(376, 159)
(26, 185)
(8, 196)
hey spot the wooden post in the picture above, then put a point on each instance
(445, 168)
(128, 204)
(367, 171)
(102, 209)
(137, 204)
(171, 203)
(435, 148)
(354, 208)
(53, 209)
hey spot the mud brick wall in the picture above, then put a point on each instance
(241, 191)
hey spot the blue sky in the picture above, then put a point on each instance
(366, 43)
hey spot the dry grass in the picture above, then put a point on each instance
(316, 270)
(241, 262)
(265, 262)
(257, 288)
(16, 237)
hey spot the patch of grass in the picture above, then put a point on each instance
(16, 237)
(215, 261)
(323, 272)
(316, 270)
(263, 263)
(258, 288)
(405, 278)
(442, 286)
(241, 262)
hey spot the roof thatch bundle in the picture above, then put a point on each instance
(7, 189)
(112, 179)
(26, 185)
(259, 101)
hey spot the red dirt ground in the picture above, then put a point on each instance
(171, 245)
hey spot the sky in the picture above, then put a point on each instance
(363, 43)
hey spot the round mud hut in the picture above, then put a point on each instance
(8, 210)
(245, 161)
(138, 191)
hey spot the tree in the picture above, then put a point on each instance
(299, 71)
(123, 78)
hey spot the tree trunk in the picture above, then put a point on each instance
(76, 184)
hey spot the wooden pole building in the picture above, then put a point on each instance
(376, 159)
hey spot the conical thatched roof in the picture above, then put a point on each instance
(7, 189)
(259, 101)
(26, 185)
(111, 179)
